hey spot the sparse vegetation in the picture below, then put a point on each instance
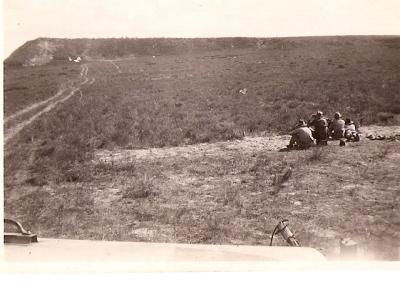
(383, 152)
(280, 179)
(316, 154)
(56, 186)
(141, 187)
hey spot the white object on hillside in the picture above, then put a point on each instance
(243, 91)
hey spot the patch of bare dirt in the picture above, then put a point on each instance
(224, 193)
(247, 145)
(220, 192)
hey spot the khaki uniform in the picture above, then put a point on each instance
(350, 132)
(302, 137)
(351, 127)
(336, 129)
(321, 130)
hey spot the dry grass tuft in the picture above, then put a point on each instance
(141, 187)
(317, 154)
(52, 187)
(383, 152)
(283, 177)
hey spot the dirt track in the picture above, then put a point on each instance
(34, 106)
(116, 66)
(221, 188)
(48, 103)
(112, 62)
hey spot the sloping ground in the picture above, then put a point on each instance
(248, 145)
(44, 50)
(170, 100)
(90, 167)
(16, 122)
(27, 86)
(245, 146)
(229, 193)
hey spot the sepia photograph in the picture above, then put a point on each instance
(200, 135)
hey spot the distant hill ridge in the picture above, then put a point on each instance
(45, 50)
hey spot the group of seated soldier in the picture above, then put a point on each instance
(319, 129)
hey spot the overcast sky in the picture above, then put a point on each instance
(29, 19)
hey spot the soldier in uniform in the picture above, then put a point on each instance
(336, 128)
(301, 137)
(320, 124)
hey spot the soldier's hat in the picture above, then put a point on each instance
(301, 123)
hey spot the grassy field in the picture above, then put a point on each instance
(55, 183)
(227, 197)
(25, 86)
